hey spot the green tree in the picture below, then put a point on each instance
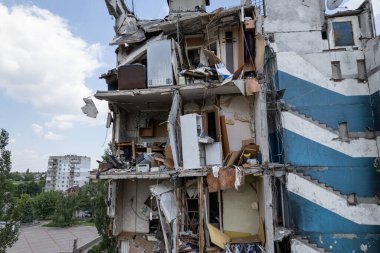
(64, 211)
(85, 197)
(31, 188)
(19, 210)
(28, 213)
(28, 177)
(99, 195)
(44, 204)
(8, 229)
(16, 176)
(107, 152)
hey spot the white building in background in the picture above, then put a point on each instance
(67, 171)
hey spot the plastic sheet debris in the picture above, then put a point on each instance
(89, 109)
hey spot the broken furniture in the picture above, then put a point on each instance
(128, 145)
(131, 76)
(147, 130)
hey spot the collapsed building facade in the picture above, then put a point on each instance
(249, 129)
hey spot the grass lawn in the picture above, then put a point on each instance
(51, 224)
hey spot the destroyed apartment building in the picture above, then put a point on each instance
(248, 129)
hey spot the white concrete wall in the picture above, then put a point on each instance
(316, 69)
(293, 16)
(372, 61)
(301, 42)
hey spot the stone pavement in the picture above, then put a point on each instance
(38, 239)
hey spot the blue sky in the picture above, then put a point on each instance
(51, 55)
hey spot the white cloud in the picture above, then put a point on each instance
(38, 130)
(43, 64)
(30, 154)
(61, 121)
(50, 136)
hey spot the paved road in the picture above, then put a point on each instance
(38, 239)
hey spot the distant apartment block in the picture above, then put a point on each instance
(67, 171)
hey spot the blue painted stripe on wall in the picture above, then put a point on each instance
(309, 217)
(324, 105)
(305, 152)
(375, 103)
(344, 173)
(336, 244)
(364, 181)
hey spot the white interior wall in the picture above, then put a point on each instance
(222, 42)
(239, 208)
(238, 120)
(133, 219)
(119, 211)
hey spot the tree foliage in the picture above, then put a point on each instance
(8, 236)
(27, 216)
(19, 210)
(9, 229)
(44, 204)
(101, 219)
(65, 210)
(32, 188)
(107, 152)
